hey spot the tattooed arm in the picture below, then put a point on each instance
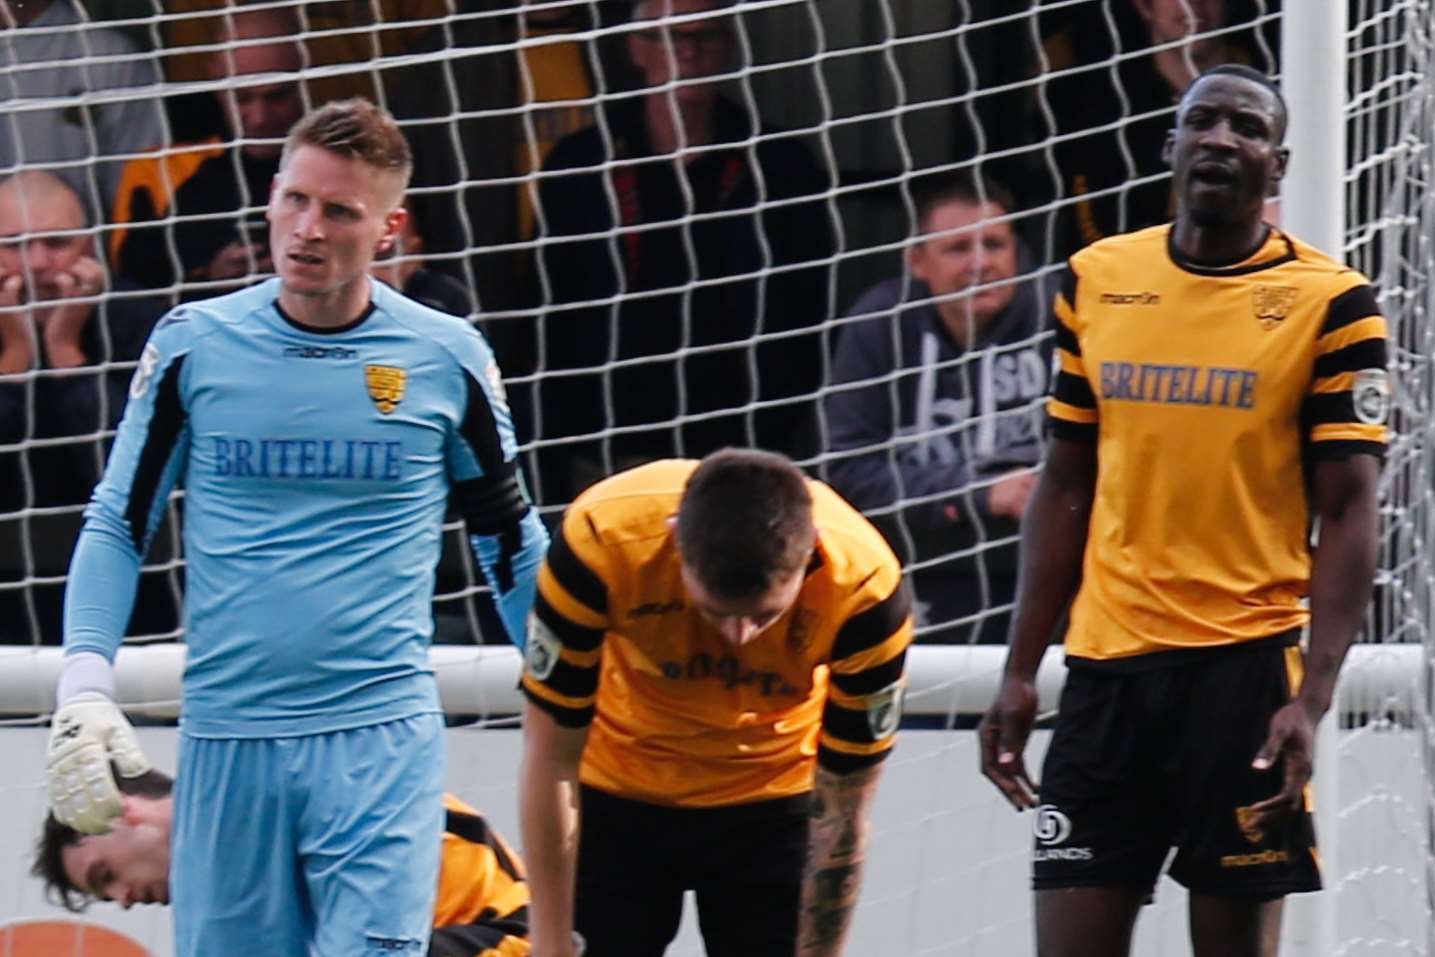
(835, 851)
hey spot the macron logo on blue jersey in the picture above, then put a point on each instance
(352, 459)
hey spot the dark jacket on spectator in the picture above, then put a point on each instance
(931, 419)
(728, 369)
(220, 189)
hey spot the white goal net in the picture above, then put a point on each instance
(715, 226)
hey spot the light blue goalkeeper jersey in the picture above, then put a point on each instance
(317, 466)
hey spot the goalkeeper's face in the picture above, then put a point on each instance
(329, 216)
(740, 620)
(129, 864)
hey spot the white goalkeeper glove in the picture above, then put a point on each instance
(88, 732)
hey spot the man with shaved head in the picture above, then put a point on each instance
(229, 180)
(1221, 387)
(55, 315)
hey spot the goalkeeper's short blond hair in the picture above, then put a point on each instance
(355, 129)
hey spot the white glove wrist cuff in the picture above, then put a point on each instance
(85, 671)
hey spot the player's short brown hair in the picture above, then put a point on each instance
(967, 187)
(49, 865)
(355, 129)
(745, 522)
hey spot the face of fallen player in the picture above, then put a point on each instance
(130, 863)
(329, 216)
(742, 620)
(1225, 152)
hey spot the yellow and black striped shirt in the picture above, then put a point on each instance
(1207, 391)
(681, 717)
(482, 904)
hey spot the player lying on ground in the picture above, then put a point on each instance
(482, 904)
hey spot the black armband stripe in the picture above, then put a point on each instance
(1066, 340)
(1320, 408)
(1365, 354)
(1072, 431)
(475, 830)
(871, 680)
(869, 628)
(566, 717)
(840, 762)
(577, 579)
(570, 633)
(1074, 390)
(166, 422)
(847, 724)
(1350, 306)
(572, 681)
(493, 502)
(1345, 448)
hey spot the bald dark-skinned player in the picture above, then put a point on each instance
(1221, 385)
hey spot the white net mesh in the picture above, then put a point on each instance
(666, 265)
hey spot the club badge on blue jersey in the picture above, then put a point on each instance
(386, 386)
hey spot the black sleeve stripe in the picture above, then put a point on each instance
(480, 429)
(576, 578)
(475, 830)
(165, 425)
(1345, 448)
(1350, 306)
(492, 503)
(839, 762)
(1325, 407)
(1074, 390)
(570, 633)
(1365, 354)
(1068, 287)
(1071, 431)
(847, 724)
(1066, 339)
(872, 680)
(571, 681)
(566, 717)
(868, 629)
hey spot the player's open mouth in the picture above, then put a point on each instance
(306, 259)
(1210, 172)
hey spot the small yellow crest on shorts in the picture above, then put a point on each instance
(386, 386)
(1246, 821)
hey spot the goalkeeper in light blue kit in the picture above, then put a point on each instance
(319, 422)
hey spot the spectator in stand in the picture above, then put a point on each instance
(225, 185)
(691, 194)
(55, 315)
(1100, 168)
(933, 416)
(62, 319)
(74, 142)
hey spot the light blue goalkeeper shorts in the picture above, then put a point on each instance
(324, 845)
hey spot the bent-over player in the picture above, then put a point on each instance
(714, 675)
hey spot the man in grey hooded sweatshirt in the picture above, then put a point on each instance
(934, 418)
